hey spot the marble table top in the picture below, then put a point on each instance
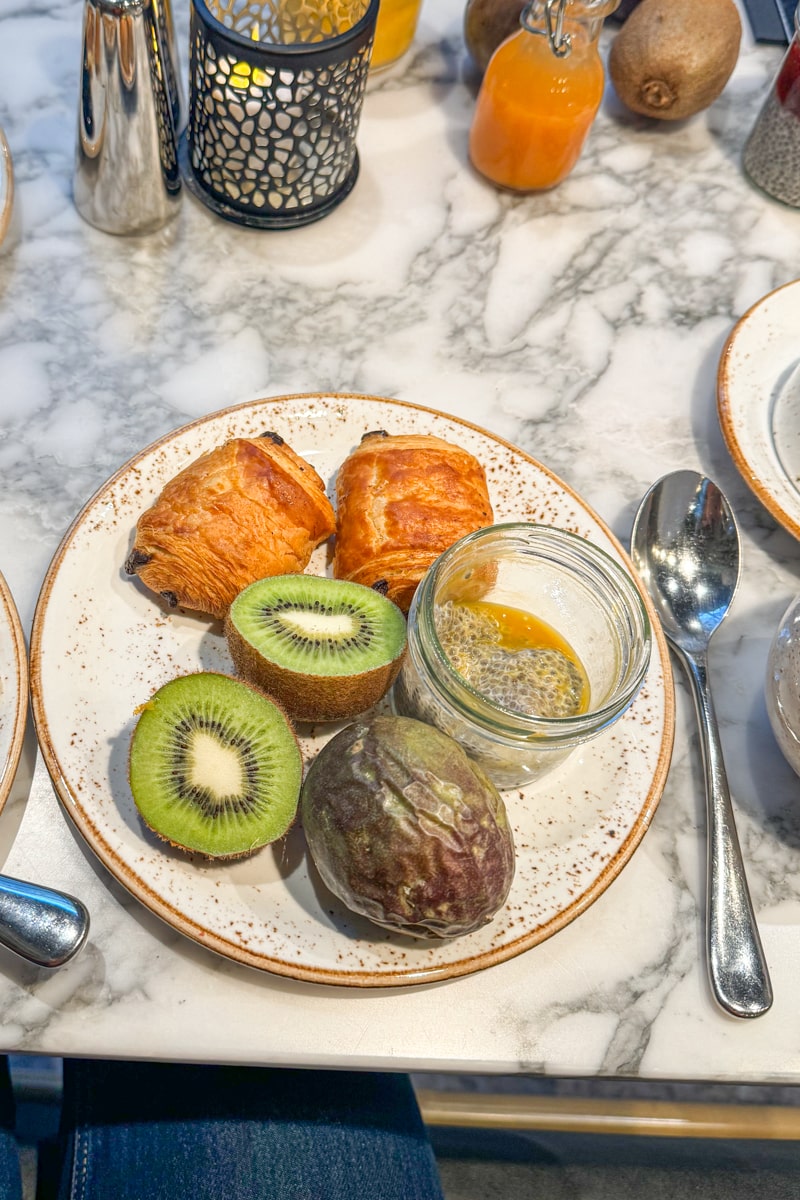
(584, 325)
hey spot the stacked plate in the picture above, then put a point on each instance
(758, 402)
(6, 185)
(13, 690)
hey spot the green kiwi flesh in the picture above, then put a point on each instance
(214, 766)
(327, 649)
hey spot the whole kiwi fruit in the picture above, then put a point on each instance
(672, 58)
(487, 23)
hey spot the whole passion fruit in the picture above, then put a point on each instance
(406, 830)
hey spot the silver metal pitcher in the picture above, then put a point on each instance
(127, 178)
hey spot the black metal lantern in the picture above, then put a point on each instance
(276, 91)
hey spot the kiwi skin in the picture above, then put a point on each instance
(305, 696)
(672, 58)
(308, 697)
(487, 23)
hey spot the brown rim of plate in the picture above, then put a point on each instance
(323, 975)
(8, 769)
(6, 186)
(728, 426)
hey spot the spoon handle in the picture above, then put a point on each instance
(40, 924)
(736, 963)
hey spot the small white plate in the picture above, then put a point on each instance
(102, 644)
(6, 186)
(13, 690)
(758, 402)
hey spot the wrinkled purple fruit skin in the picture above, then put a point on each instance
(406, 830)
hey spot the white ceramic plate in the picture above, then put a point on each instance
(13, 690)
(101, 644)
(758, 402)
(6, 185)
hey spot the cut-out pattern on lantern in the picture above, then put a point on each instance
(276, 97)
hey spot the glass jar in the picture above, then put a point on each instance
(782, 685)
(772, 151)
(539, 95)
(572, 586)
(394, 32)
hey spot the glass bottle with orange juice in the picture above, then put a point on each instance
(539, 95)
(394, 31)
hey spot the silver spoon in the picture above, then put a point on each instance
(39, 923)
(685, 546)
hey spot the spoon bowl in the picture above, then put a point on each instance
(685, 546)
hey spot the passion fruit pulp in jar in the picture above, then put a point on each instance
(512, 658)
(571, 629)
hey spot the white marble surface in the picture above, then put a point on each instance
(585, 325)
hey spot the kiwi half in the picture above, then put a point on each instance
(326, 648)
(214, 766)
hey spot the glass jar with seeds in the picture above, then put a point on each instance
(524, 642)
(771, 156)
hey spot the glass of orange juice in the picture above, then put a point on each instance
(539, 95)
(394, 32)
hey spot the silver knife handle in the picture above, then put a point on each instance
(45, 926)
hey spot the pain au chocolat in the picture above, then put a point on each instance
(401, 500)
(247, 509)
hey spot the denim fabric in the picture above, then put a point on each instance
(10, 1176)
(156, 1131)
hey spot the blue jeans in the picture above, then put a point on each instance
(10, 1178)
(155, 1131)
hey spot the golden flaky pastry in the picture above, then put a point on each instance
(248, 509)
(401, 500)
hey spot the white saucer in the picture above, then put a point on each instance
(13, 689)
(6, 185)
(758, 402)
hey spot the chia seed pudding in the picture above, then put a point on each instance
(540, 680)
(479, 663)
(772, 152)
